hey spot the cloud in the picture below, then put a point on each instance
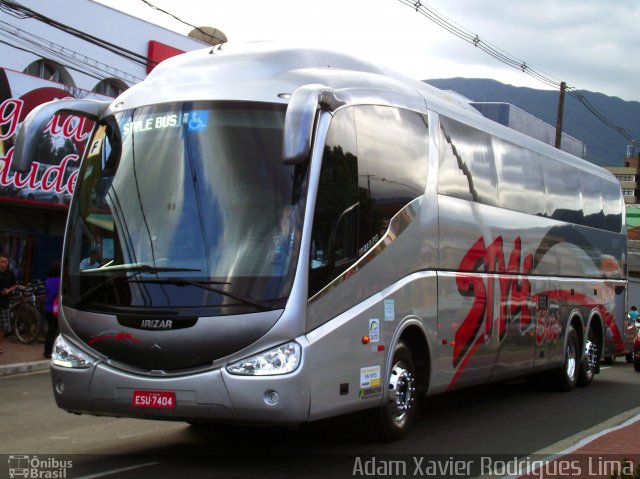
(590, 44)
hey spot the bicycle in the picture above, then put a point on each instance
(26, 320)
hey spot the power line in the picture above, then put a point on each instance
(213, 38)
(37, 45)
(19, 11)
(477, 42)
(509, 60)
(589, 106)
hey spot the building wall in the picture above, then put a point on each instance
(629, 178)
(85, 60)
(628, 182)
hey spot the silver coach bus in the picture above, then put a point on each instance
(288, 235)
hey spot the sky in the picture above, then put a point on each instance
(589, 44)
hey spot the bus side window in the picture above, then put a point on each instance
(467, 169)
(393, 150)
(333, 245)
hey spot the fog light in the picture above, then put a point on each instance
(271, 397)
(59, 387)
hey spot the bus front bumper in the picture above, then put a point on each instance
(213, 395)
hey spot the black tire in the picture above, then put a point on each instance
(636, 364)
(628, 358)
(589, 364)
(609, 360)
(397, 415)
(27, 323)
(566, 377)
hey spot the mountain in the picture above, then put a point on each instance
(605, 146)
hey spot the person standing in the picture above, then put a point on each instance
(51, 290)
(8, 284)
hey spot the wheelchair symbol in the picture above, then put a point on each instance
(198, 120)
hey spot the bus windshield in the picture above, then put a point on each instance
(184, 207)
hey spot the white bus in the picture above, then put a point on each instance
(287, 235)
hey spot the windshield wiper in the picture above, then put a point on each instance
(135, 267)
(207, 285)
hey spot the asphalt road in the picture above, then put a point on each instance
(509, 419)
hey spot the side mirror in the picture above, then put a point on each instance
(298, 124)
(31, 130)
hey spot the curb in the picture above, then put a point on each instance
(22, 368)
(570, 444)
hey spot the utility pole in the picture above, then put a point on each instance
(563, 87)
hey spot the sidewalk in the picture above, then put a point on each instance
(604, 451)
(19, 358)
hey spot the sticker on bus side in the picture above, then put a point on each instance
(369, 377)
(369, 392)
(389, 310)
(374, 330)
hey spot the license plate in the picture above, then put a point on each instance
(154, 399)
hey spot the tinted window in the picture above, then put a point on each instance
(467, 168)
(612, 205)
(562, 186)
(334, 232)
(529, 182)
(359, 192)
(592, 201)
(519, 171)
(393, 148)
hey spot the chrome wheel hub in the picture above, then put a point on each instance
(591, 353)
(401, 391)
(571, 360)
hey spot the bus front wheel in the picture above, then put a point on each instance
(399, 411)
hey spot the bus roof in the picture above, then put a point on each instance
(266, 73)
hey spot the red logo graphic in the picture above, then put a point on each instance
(514, 288)
(117, 337)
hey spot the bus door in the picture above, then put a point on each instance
(516, 325)
(466, 344)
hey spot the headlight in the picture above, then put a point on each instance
(281, 360)
(68, 356)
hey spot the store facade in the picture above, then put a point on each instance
(34, 204)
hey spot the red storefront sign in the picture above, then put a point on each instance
(51, 179)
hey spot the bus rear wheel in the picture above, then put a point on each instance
(397, 415)
(566, 377)
(590, 361)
